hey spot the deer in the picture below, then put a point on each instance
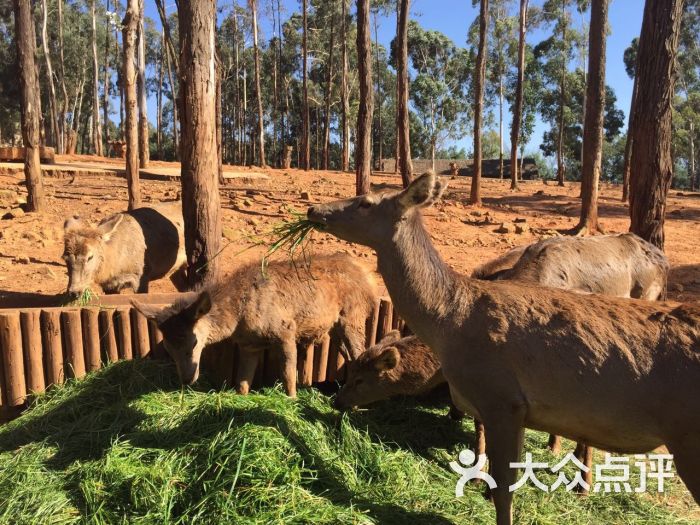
(126, 250)
(277, 308)
(621, 375)
(622, 265)
(394, 366)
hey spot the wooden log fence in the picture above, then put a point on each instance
(41, 347)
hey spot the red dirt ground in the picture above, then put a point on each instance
(31, 246)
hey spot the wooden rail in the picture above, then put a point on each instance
(40, 347)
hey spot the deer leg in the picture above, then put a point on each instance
(584, 453)
(479, 438)
(686, 456)
(289, 366)
(554, 444)
(504, 446)
(248, 362)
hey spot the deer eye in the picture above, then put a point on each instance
(365, 204)
(89, 258)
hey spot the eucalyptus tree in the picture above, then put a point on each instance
(556, 52)
(479, 81)
(593, 126)
(440, 91)
(502, 47)
(652, 165)
(29, 94)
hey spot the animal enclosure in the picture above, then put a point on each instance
(40, 347)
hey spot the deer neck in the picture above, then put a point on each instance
(423, 288)
(221, 322)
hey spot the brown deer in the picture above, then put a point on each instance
(619, 374)
(279, 308)
(394, 366)
(622, 265)
(126, 250)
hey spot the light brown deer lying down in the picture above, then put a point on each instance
(619, 374)
(285, 306)
(623, 265)
(126, 250)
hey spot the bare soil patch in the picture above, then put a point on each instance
(31, 245)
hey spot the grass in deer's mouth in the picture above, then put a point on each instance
(84, 299)
(291, 235)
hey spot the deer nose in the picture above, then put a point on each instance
(311, 211)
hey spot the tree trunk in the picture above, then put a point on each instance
(500, 126)
(329, 96)
(120, 85)
(479, 81)
(244, 116)
(363, 143)
(652, 164)
(53, 105)
(219, 126)
(62, 71)
(629, 146)
(593, 125)
(96, 129)
(200, 192)
(283, 114)
(105, 94)
(562, 100)
(345, 102)
(380, 102)
(144, 152)
(26, 46)
(691, 164)
(173, 94)
(275, 96)
(403, 129)
(159, 100)
(237, 122)
(518, 114)
(131, 134)
(172, 62)
(258, 94)
(305, 128)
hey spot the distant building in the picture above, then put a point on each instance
(465, 167)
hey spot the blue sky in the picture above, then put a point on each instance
(453, 17)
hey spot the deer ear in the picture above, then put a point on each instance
(390, 337)
(388, 359)
(108, 226)
(150, 311)
(73, 223)
(201, 306)
(423, 191)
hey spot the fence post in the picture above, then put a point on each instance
(12, 360)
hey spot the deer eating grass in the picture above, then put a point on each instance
(279, 308)
(126, 250)
(619, 374)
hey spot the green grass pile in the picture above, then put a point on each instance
(128, 445)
